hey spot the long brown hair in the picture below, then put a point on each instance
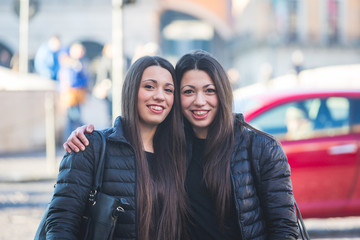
(220, 139)
(165, 184)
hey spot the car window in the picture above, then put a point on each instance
(306, 119)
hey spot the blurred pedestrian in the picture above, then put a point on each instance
(73, 79)
(46, 60)
(5, 57)
(298, 125)
(103, 85)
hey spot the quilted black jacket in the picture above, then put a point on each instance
(262, 187)
(75, 179)
(261, 184)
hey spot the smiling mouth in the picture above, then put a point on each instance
(201, 114)
(156, 109)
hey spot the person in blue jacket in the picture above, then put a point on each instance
(46, 60)
(237, 178)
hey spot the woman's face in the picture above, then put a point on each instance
(199, 100)
(155, 96)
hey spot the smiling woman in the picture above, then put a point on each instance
(238, 179)
(144, 163)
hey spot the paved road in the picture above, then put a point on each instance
(22, 205)
(21, 208)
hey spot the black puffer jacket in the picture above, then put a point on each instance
(261, 185)
(75, 180)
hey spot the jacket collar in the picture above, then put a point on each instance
(118, 132)
(239, 117)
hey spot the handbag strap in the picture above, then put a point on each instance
(97, 182)
(303, 231)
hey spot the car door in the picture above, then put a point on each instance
(353, 206)
(322, 151)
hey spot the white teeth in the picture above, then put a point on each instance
(157, 108)
(199, 113)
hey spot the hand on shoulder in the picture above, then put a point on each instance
(77, 139)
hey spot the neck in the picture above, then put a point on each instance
(200, 133)
(147, 136)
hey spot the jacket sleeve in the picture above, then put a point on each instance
(70, 195)
(276, 191)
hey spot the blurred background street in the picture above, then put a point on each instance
(264, 45)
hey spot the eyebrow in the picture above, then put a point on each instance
(155, 81)
(205, 86)
(191, 86)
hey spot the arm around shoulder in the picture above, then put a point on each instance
(77, 139)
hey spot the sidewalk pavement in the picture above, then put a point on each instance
(29, 166)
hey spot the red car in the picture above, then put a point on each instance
(320, 134)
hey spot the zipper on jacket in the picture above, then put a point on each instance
(125, 142)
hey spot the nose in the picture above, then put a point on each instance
(200, 100)
(159, 95)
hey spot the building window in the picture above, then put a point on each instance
(286, 12)
(181, 33)
(333, 21)
(292, 12)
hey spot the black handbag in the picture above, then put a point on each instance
(102, 210)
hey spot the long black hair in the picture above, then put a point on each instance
(165, 184)
(220, 139)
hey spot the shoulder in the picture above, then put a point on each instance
(260, 142)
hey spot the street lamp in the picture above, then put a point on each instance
(24, 36)
(25, 9)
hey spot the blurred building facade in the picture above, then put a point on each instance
(175, 27)
(256, 39)
(275, 37)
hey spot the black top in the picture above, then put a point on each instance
(203, 215)
(150, 157)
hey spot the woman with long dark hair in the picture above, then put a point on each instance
(144, 158)
(237, 178)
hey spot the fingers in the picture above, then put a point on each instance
(66, 147)
(80, 136)
(77, 139)
(90, 128)
(73, 143)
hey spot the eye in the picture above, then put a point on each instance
(188, 91)
(211, 90)
(169, 90)
(148, 86)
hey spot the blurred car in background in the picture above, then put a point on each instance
(320, 133)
